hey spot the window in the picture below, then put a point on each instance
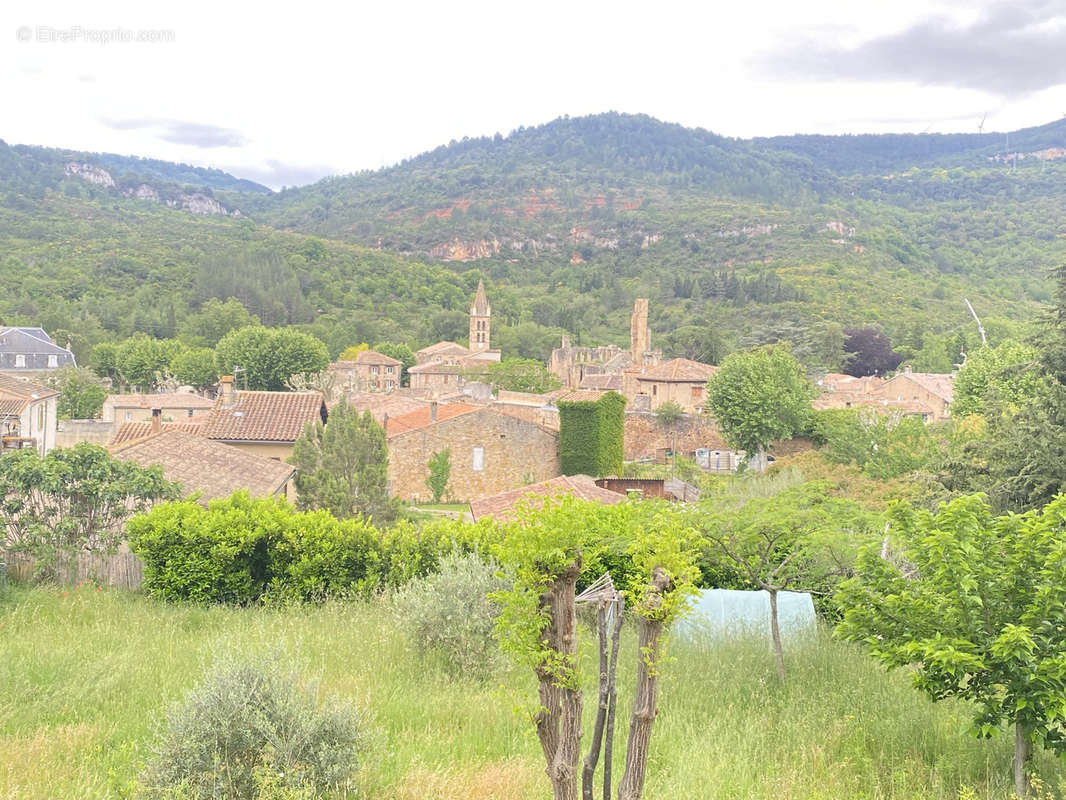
(654, 390)
(188, 412)
(374, 370)
(697, 392)
(388, 370)
(479, 459)
(20, 361)
(53, 361)
(129, 416)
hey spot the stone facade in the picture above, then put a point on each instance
(491, 453)
(369, 372)
(121, 408)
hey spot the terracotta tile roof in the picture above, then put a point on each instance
(416, 420)
(678, 369)
(160, 400)
(434, 368)
(940, 384)
(367, 357)
(199, 464)
(502, 506)
(135, 431)
(441, 348)
(381, 405)
(27, 390)
(602, 382)
(11, 406)
(265, 417)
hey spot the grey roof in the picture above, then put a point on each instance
(34, 345)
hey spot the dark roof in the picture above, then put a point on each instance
(27, 340)
(502, 506)
(265, 417)
(202, 465)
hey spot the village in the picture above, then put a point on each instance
(504, 444)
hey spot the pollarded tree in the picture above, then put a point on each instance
(342, 466)
(550, 548)
(972, 605)
(195, 367)
(759, 396)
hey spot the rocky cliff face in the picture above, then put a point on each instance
(194, 203)
(87, 172)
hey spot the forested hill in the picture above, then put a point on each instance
(736, 242)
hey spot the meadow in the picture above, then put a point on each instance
(86, 673)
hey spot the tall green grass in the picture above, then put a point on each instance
(84, 674)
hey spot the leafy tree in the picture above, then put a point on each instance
(869, 352)
(515, 375)
(440, 472)
(696, 342)
(352, 353)
(104, 361)
(269, 357)
(342, 466)
(81, 393)
(215, 320)
(1006, 373)
(400, 352)
(883, 445)
(972, 605)
(550, 548)
(143, 362)
(797, 539)
(72, 500)
(759, 396)
(195, 367)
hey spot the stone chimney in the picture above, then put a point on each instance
(639, 341)
(433, 411)
(227, 393)
(157, 420)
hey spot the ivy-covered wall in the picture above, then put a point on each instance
(590, 436)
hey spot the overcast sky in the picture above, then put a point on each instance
(286, 97)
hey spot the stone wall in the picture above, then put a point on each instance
(95, 431)
(515, 453)
(645, 436)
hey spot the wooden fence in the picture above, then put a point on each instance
(122, 569)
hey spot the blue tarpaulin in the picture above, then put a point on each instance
(726, 612)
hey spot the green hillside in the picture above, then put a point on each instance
(736, 242)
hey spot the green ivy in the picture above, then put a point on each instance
(590, 435)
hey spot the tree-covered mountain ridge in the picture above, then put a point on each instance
(736, 242)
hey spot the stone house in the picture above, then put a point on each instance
(678, 380)
(212, 469)
(491, 452)
(265, 423)
(31, 350)
(121, 408)
(371, 371)
(27, 415)
(928, 394)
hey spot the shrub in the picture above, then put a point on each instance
(252, 729)
(450, 614)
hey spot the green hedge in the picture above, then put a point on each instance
(240, 550)
(590, 436)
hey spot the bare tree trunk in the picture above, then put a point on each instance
(1023, 750)
(593, 756)
(559, 720)
(775, 634)
(646, 701)
(612, 695)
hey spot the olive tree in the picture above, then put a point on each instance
(972, 605)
